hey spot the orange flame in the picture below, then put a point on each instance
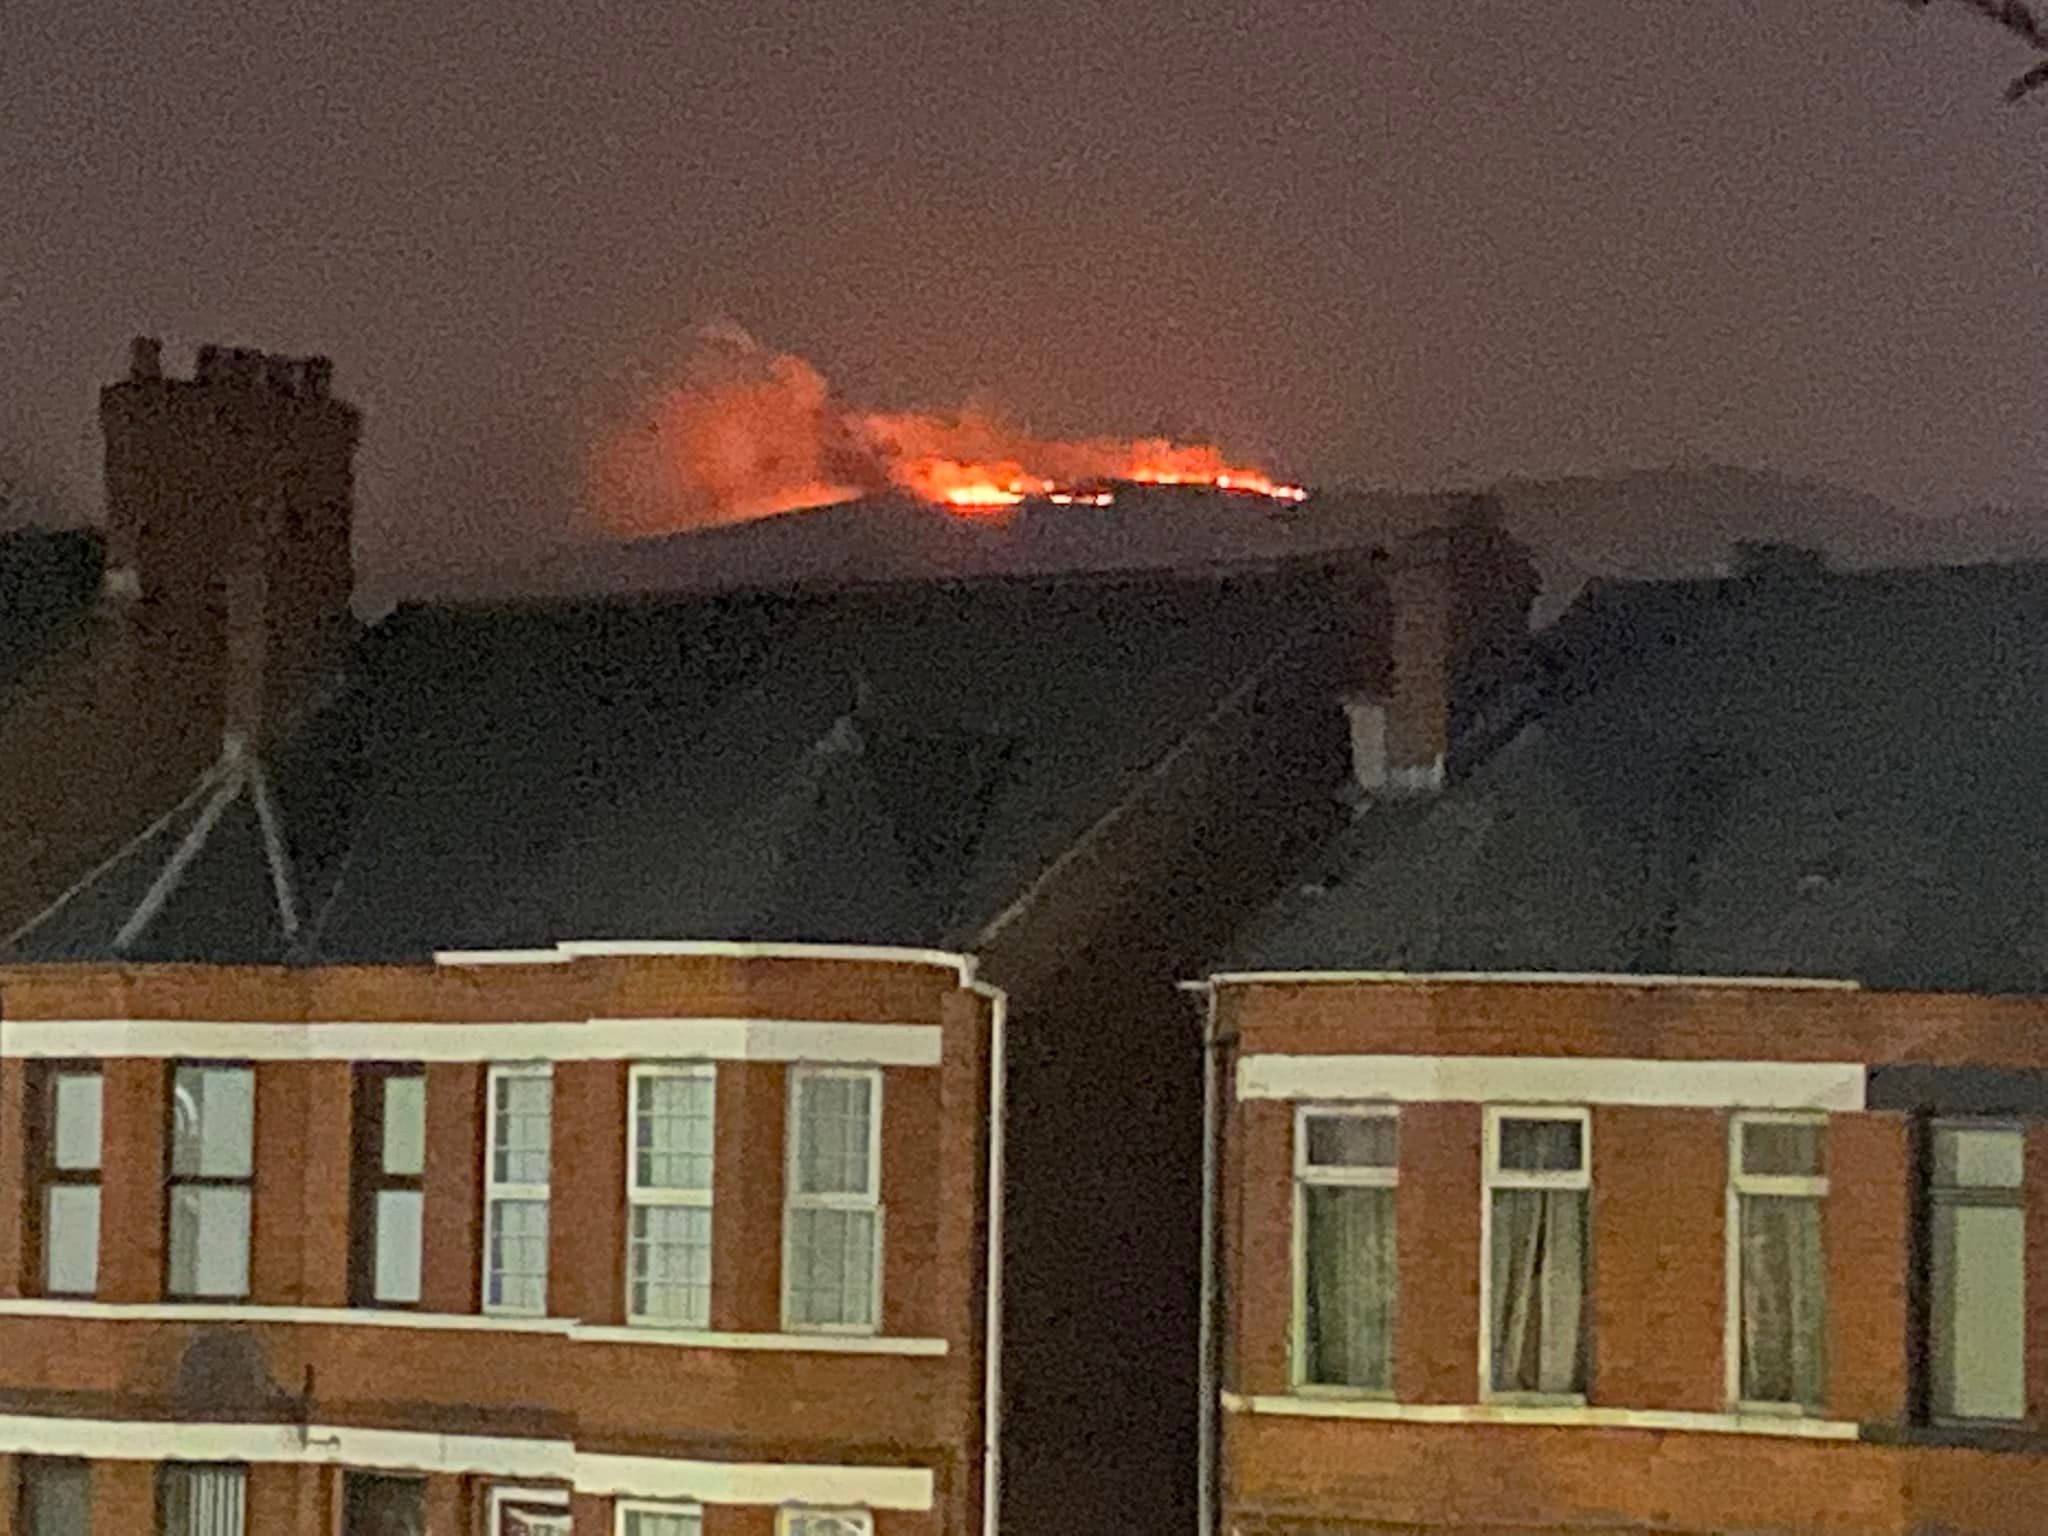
(748, 432)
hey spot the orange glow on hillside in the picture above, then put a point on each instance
(749, 432)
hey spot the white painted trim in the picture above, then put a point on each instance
(798, 1343)
(992, 1296)
(808, 1040)
(1737, 1185)
(716, 949)
(1493, 1179)
(868, 1202)
(621, 1508)
(1307, 1174)
(470, 1322)
(711, 1482)
(1562, 1416)
(652, 1477)
(1527, 978)
(331, 1317)
(1555, 1079)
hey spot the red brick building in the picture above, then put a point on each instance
(655, 1243)
(1650, 1132)
(732, 802)
(1619, 1255)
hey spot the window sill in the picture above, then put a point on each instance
(1335, 1392)
(2002, 1438)
(480, 1322)
(1559, 1416)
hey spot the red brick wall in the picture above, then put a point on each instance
(1332, 1478)
(451, 1259)
(325, 1155)
(278, 1222)
(1865, 1232)
(587, 1192)
(1264, 1204)
(1660, 1180)
(746, 1210)
(1437, 1224)
(2035, 1175)
(131, 1187)
(15, 1194)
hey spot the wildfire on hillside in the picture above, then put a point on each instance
(748, 432)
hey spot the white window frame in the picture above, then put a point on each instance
(494, 1191)
(792, 1201)
(621, 1508)
(1996, 1197)
(638, 1194)
(1305, 1174)
(1494, 1177)
(504, 1494)
(786, 1518)
(1793, 1186)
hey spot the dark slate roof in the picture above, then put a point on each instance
(883, 764)
(48, 578)
(1827, 775)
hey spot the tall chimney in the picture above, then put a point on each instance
(1458, 597)
(229, 513)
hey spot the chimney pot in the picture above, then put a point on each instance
(145, 359)
(208, 366)
(319, 377)
(280, 375)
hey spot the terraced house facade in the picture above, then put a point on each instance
(1650, 1134)
(654, 1243)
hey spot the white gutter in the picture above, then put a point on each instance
(1524, 978)
(1205, 1368)
(992, 1326)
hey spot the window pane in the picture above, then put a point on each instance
(672, 1132)
(210, 1240)
(405, 1126)
(1781, 1151)
(671, 1264)
(517, 1244)
(1351, 1141)
(811, 1523)
(1784, 1298)
(663, 1522)
(832, 1135)
(532, 1520)
(399, 1213)
(519, 1133)
(1978, 1158)
(71, 1239)
(75, 1120)
(1537, 1290)
(1348, 1286)
(832, 1268)
(202, 1501)
(383, 1506)
(1542, 1146)
(56, 1497)
(1979, 1348)
(214, 1120)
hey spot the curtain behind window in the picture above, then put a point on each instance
(1783, 1298)
(1539, 1290)
(203, 1501)
(1350, 1284)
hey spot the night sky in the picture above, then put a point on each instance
(1404, 242)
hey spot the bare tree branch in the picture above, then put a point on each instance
(2018, 18)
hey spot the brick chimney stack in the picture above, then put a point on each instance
(230, 505)
(1458, 597)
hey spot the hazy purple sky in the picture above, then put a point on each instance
(1405, 240)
